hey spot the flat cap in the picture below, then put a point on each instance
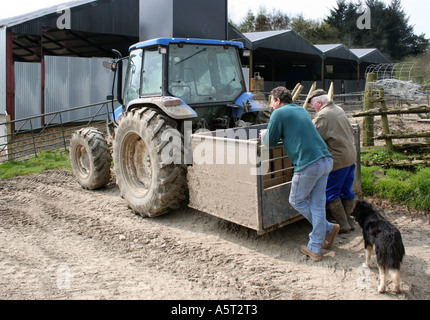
(316, 93)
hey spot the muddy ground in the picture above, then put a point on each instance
(61, 242)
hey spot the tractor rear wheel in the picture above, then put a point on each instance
(147, 153)
(90, 158)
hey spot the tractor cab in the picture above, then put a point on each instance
(189, 79)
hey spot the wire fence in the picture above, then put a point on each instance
(28, 136)
(395, 107)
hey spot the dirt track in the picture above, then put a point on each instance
(62, 242)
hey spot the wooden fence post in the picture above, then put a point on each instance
(385, 124)
(368, 122)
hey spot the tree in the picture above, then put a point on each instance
(420, 45)
(264, 21)
(343, 19)
(316, 32)
(390, 30)
(279, 20)
(248, 25)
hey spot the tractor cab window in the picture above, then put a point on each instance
(152, 73)
(204, 73)
(133, 77)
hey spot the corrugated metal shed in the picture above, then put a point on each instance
(74, 82)
(235, 35)
(283, 40)
(28, 78)
(336, 51)
(96, 26)
(120, 17)
(22, 20)
(70, 82)
(283, 58)
(340, 66)
(370, 55)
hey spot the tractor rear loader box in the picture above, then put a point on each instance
(235, 178)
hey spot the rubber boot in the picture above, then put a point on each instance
(338, 212)
(349, 205)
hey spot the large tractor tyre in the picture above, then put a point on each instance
(148, 153)
(90, 158)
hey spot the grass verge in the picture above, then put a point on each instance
(398, 186)
(45, 160)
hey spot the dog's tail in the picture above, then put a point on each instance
(391, 250)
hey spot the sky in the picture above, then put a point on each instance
(416, 10)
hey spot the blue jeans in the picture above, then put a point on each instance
(339, 184)
(308, 197)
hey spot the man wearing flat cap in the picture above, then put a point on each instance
(336, 130)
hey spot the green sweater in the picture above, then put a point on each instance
(293, 126)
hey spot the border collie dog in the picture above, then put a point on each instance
(387, 240)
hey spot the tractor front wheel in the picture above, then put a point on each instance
(90, 158)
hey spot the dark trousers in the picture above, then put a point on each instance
(339, 184)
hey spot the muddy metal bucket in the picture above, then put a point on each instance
(234, 177)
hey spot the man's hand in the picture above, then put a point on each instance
(262, 131)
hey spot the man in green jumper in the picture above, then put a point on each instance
(313, 163)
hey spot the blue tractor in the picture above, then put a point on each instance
(172, 86)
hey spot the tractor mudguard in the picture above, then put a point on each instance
(173, 107)
(251, 102)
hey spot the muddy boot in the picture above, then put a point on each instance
(348, 205)
(338, 213)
